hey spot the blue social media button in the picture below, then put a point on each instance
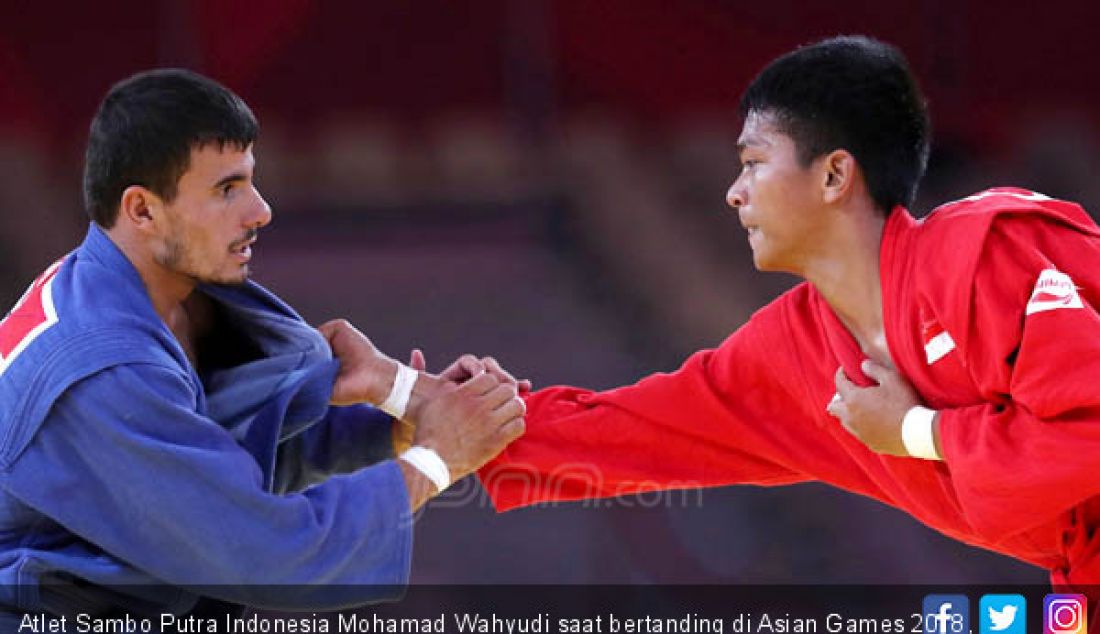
(1002, 614)
(946, 614)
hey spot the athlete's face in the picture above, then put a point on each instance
(213, 220)
(775, 197)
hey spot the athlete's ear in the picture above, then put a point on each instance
(839, 172)
(139, 207)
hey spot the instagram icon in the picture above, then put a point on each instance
(1065, 614)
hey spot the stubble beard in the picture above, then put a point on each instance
(177, 258)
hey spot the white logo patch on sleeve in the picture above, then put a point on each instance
(1054, 289)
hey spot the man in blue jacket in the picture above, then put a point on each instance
(170, 430)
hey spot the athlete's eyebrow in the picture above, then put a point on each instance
(232, 178)
(751, 140)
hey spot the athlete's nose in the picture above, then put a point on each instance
(736, 195)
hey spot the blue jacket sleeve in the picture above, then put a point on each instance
(125, 462)
(347, 439)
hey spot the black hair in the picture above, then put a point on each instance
(853, 93)
(145, 129)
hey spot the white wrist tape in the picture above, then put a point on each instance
(398, 400)
(428, 462)
(917, 435)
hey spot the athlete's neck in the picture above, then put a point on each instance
(847, 276)
(167, 289)
(190, 322)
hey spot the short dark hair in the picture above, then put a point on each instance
(853, 93)
(145, 129)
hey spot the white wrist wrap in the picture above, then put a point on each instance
(428, 462)
(917, 435)
(398, 400)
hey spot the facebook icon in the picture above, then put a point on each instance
(946, 614)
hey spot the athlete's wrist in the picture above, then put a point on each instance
(919, 429)
(381, 375)
(425, 389)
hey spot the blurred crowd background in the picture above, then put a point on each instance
(544, 181)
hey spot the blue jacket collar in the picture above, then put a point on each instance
(99, 248)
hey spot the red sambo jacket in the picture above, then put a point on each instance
(989, 308)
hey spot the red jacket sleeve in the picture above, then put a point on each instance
(722, 418)
(1031, 451)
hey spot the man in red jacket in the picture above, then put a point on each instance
(946, 366)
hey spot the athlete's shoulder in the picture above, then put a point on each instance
(787, 319)
(978, 212)
(955, 234)
(793, 303)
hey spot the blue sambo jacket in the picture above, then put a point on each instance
(126, 481)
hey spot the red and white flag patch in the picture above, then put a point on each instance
(937, 341)
(33, 314)
(1054, 289)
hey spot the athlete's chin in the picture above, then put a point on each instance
(239, 278)
(768, 263)
(762, 261)
(229, 278)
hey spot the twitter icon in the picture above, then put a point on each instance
(1002, 614)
